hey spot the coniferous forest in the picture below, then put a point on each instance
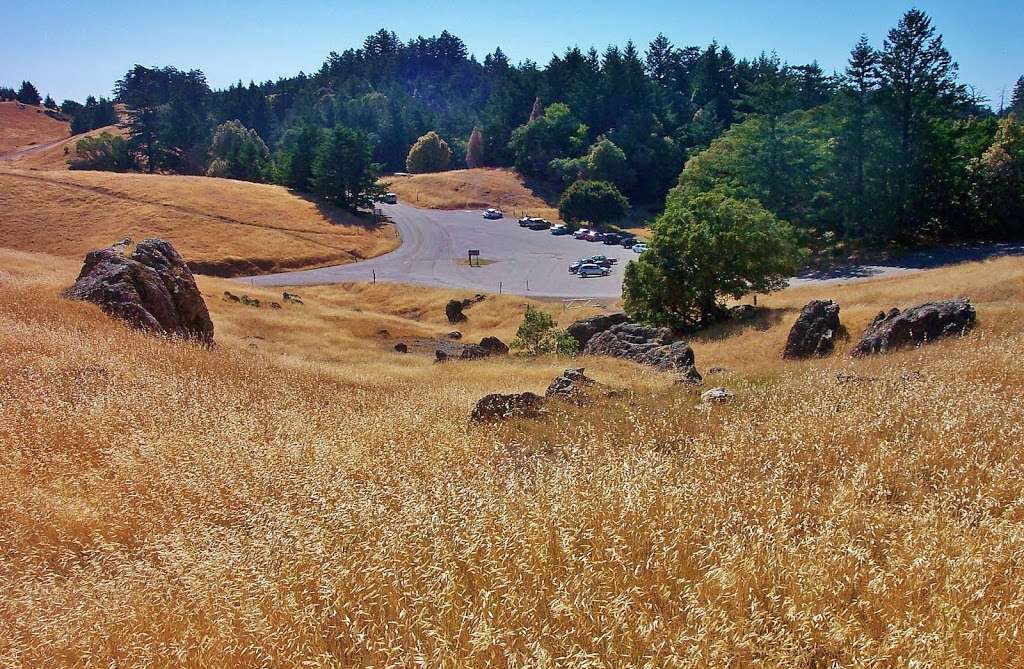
(894, 148)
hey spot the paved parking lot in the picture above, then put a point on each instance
(433, 253)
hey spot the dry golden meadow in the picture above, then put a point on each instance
(300, 495)
(222, 227)
(23, 126)
(478, 188)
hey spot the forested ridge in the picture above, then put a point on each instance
(895, 147)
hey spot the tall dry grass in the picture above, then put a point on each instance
(23, 126)
(285, 505)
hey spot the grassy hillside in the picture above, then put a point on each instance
(223, 227)
(474, 189)
(302, 493)
(54, 157)
(22, 127)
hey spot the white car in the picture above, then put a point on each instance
(593, 270)
(639, 248)
(493, 214)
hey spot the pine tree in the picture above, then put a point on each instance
(50, 103)
(28, 95)
(1017, 99)
(475, 149)
(861, 81)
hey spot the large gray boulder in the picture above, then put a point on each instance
(152, 289)
(583, 330)
(814, 333)
(646, 345)
(917, 325)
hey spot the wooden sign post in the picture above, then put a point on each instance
(474, 253)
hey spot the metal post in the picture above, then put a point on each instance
(374, 275)
(499, 288)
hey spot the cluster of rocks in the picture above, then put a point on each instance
(571, 386)
(488, 347)
(817, 327)
(151, 289)
(248, 301)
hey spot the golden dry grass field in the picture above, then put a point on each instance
(223, 227)
(24, 126)
(54, 157)
(479, 188)
(301, 495)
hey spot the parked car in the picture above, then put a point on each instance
(560, 230)
(627, 242)
(639, 248)
(612, 238)
(539, 224)
(575, 267)
(604, 261)
(581, 233)
(390, 198)
(493, 214)
(525, 221)
(594, 236)
(593, 270)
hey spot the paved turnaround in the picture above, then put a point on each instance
(434, 253)
(535, 262)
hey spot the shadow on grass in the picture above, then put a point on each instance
(760, 318)
(339, 216)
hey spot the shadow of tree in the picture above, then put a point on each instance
(339, 216)
(760, 318)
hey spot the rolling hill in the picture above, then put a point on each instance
(22, 127)
(479, 188)
(223, 227)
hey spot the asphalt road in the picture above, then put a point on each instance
(434, 252)
(528, 262)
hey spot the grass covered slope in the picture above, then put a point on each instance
(222, 227)
(54, 157)
(298, 493)
(23, 126)
(478, 188)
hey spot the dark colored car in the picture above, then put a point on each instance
(561, 230)
(539, 224)
(612, 238)
(627, 242)
(595, 236)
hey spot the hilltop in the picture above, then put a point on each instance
(54, 155)
(224, 227)
(302, 490)
(479, 188)
(23, 126)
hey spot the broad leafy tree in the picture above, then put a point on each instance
(430, 153)
(596, 202)
(704, 251)
(237, 152)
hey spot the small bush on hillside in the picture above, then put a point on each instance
(430, 153)
(540, 335)
(598, 202)
(108, 153)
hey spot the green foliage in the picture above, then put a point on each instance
(343, 169)
(430, 153)
(556, 134)
(93, 114)
(1017, 99)
(28, 95)
(607, 162)
(293, 163)
(539, 334)
(49, 103)
(106, 152)
(237, 152)
(597, 202)
(999, 183)
(704, 250)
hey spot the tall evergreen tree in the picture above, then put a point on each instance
(28, 94)
(1017, 99)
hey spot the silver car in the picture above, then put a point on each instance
(593, 270)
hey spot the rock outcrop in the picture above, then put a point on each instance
(583, 330)
(498, 407)
(917, 325)
(814, 333)
(487, 347)
(401, 347)
(716, 396)
(453, 312)
(151, 289)
(646, 345)
(572, 385)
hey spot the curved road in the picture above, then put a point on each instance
(434, 252)
(528, 262)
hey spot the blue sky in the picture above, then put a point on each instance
(71, 49)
